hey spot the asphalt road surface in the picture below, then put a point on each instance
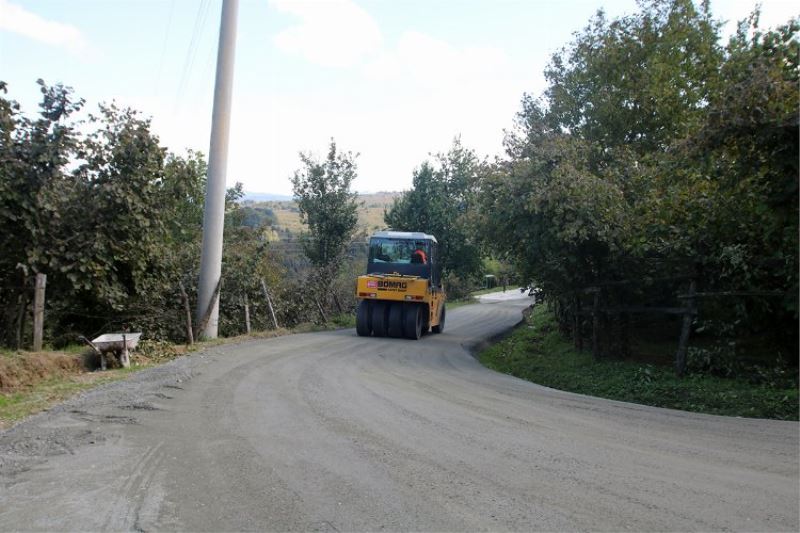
(332, 432)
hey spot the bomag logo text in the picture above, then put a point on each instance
(393, 285)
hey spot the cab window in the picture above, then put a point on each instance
(399, 251)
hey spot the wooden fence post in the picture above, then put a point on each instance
(38, 311)
(321, 312)
(187, 309)
(246, 313)
(269, 302)
(686, 328)
(337, 302)
(124, 356)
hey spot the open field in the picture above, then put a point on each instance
(370, 212)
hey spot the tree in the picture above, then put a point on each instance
(246, 260)
(327, 207)
(558, 222)
(657, 154)
(442, 202)
(33, 185)
(107, 214)
(639, 81)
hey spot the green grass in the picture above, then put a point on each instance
(536, 352)
(17, 405)
(343, 320)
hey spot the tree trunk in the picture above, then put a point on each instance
(269, 302)
(336, 302)
(188, 310)
(246, 313)
(321, 312)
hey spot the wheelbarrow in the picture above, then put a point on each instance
(118, 344)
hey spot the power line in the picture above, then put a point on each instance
(164, 46)
(191, 52)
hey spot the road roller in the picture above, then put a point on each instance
(401, 295)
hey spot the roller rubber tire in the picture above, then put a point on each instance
(395, 327)
(364, 319)
(440, 327)
(380, 319)
(412, 322)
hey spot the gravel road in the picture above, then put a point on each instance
(332, 432)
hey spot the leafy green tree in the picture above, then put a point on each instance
(328, 208)
(443, 202)
(656, 153)
(256, 216)
(246, 259)
(106, 214)
(731, 188)
(557, 221)
(33, 184)
(639, 81)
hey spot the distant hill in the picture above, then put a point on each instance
(265, 197)
(370, 211)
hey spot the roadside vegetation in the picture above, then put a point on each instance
(33, 381)
(535, 351)
(646, 183)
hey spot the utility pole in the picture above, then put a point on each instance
(214, 209)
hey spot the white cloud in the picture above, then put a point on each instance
(16, 19)
(406, 99)
(334, 33)
(433, 63)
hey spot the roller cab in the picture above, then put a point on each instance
(401, 295)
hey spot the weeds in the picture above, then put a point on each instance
(536, 352)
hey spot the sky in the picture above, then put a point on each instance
(393, 81)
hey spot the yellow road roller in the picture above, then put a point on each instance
(401, 294)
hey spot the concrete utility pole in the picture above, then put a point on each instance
(214, 210)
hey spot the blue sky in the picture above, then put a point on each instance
(391, 80)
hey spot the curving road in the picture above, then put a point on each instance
(329, 431)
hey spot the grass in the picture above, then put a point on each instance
(344, 320)
(370, 212)
(17, 405)
(537, 352)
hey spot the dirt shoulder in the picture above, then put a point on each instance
(31, 382)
